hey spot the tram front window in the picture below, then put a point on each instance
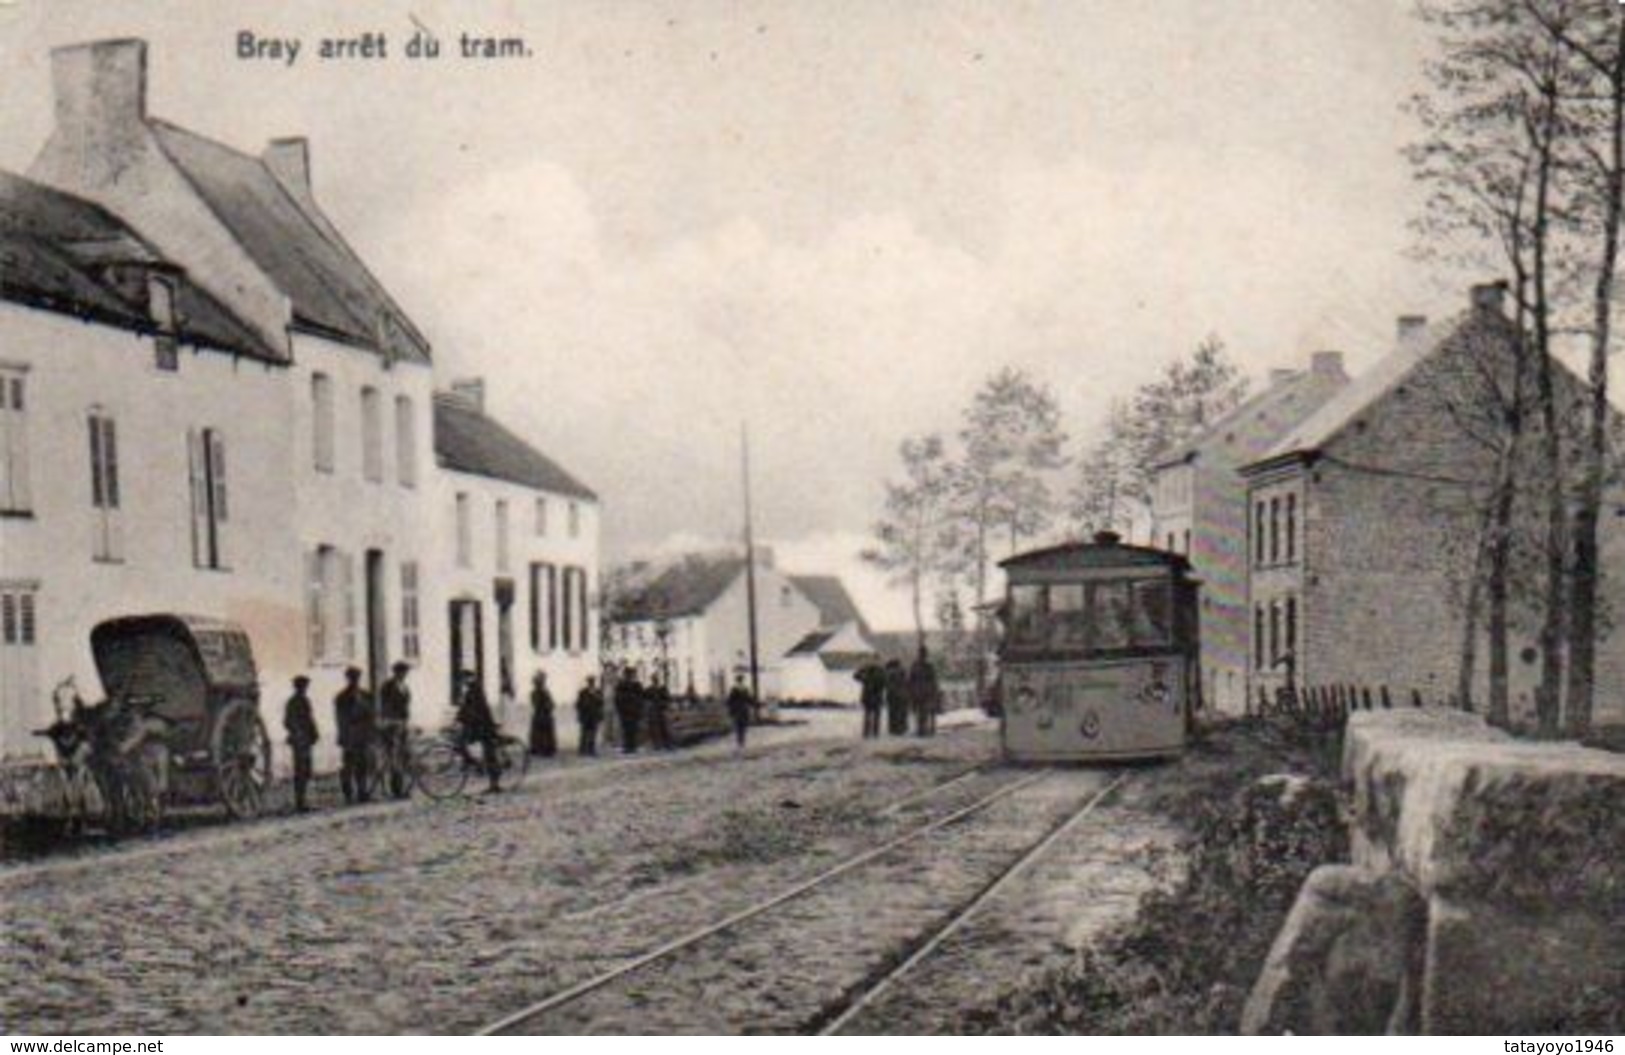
(1027, 615)
(1068, 616)
(1153, 604)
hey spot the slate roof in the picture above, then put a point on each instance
(685, 588)
(811, 643)
(64, 254)
(468, 441)
(332, 291)
(828, 594)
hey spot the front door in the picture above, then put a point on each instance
(467, 644)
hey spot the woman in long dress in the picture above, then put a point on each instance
(544, 739)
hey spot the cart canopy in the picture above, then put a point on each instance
(183, 658)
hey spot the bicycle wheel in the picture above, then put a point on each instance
(514, 759)
(439, 769)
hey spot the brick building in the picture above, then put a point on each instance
(1199, 509)
(1363, 521)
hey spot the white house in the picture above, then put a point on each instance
(516, 586)
(142, 430)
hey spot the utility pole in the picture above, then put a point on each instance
(750, 567)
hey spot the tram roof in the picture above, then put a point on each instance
(1106, 551)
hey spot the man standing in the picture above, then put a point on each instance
(741, 705)
(589, 712)
(544, 740)
(299, 722)
(873, 680)
(897, 699)
(352, 715)
(660, 715)
(922, 686)
(478, 725)
(629, 709)
(394, 717)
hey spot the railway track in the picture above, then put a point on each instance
(981, 870)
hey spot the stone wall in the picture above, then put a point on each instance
(1486, 892)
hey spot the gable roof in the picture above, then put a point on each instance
(332, 291)
(1352, 400)
(811, 643)
(685, 588)
(828, 594)
(466, 440)
(64, 254)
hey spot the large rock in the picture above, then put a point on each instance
(1346, 960)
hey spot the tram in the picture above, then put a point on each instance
(1099, 658)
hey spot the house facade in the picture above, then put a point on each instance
(1199, 509)
(1361, 523)
(517, 568)
(134, 412)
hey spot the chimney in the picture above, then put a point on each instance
(288, 159)
(1280, 375)
(1410, 327)
(472, 391)
(101, 92)
(1326, 364)
(1490, 296)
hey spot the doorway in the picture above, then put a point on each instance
(377, 630)
(467, 642)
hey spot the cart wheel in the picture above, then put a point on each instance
(242, 759)
(440, 769)
(514, 758)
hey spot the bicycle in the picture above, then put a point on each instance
(441, 765)
(390, 763)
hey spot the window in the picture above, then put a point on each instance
(406, 442)
(207, 458)
(1275, 632)
(465, 532)
(1291, 528)
(575, 629)
(566, 609)
(541, 517)
(331, 605)
(1292, 625)
(13, 443)
(411, 640)
(372, 435)
(104, 489)
(543, 608)
(1258, 533)
(161, 298)
(1275, 530)
(502, 535)
(1258, 637)
(575, 520)
(321, 419)
(584, 601)
(18, 625)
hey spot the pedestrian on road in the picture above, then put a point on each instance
(922, 687)
(544, 740)
(589, 713)
(873, 681)
(353, 716)
(394, 717)
(299, 722)
(898, 701)
(478, 725)
(741, 705)
(629, 709)
(659, 711)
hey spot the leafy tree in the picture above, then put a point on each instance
(1099, 497)
(910, 538)
(1190, 394)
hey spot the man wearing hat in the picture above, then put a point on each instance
(353, 716)
(299, 721)
(479, 725)
(394, 716)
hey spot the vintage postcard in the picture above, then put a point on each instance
(769, 517)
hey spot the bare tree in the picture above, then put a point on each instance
(910, 537)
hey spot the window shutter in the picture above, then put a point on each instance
(97, 498)
(313, 605)
(347, 570)
(551, 575)
(110, 463)
(535, 608)
(197, 463)
(219, 507)
(18, 444)
(585, 628)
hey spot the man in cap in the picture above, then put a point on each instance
(479, 725)
(741, 705)
(629, 705)
(589, 713)
(353, 716)
(394, 718)
(299, 722)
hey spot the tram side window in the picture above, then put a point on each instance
(1027, 615)
(1068, 616)
(1114, 615)
(1153, 612)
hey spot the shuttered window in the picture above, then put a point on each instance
(502, 535)
(14, 495)
(331, 604)
(206, 450)
(406, 443)
(411, 641)
(322, 421)
(372, 435)
(465, 531)
(106, 543)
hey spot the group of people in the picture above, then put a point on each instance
(640, 707)
(899, 695)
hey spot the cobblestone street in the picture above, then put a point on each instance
(441, 918)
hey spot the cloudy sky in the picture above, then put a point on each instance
(827, 220)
